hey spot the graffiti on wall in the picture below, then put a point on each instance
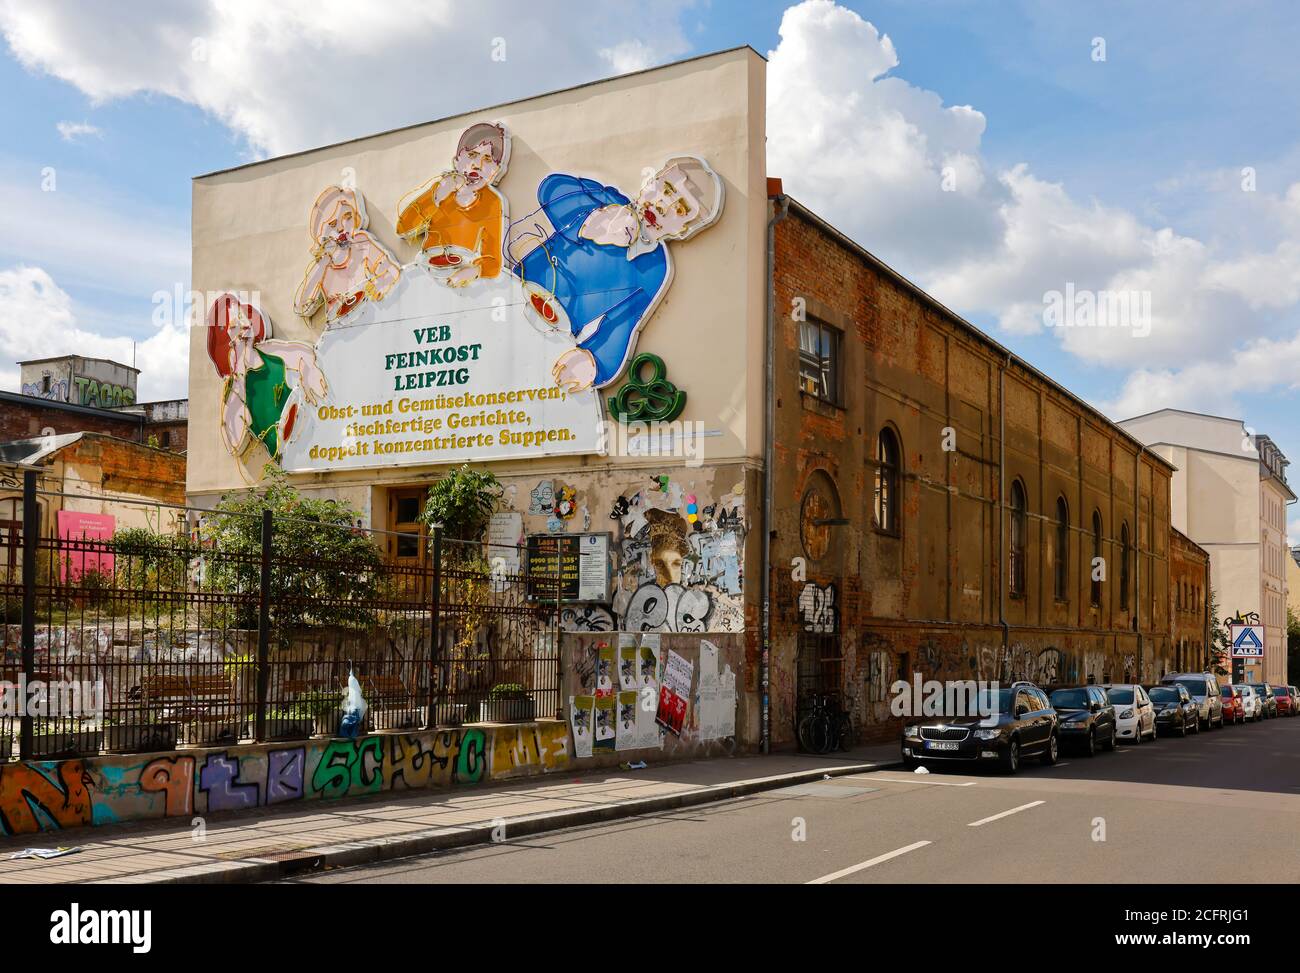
(681, 561)
(50, 795)
(818, 609)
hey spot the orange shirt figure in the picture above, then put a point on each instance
(458, 218)
(475, 227)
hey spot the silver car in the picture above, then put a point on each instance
(1252, 707)
(1204, 688)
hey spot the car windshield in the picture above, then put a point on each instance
(1259, 689)
(1163, 694)
(1120, 695)
(1070, 699)
(1193, 686)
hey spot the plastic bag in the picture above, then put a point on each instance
(354, 709)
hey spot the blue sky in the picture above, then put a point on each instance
(1137, 159)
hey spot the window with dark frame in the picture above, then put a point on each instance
(888, 465)
(1062, 550)
(1096, 559)
(820, 346)
(1019, 534)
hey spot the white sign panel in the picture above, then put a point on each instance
(436, 374)
(1247, 641)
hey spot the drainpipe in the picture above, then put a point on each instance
(1137, 550)
(781, 206)
(1003, 566)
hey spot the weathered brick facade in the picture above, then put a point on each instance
(1189, 587)
(932, 597)
(27, 417)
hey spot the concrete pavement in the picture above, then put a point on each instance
(272, 843)
(1221, 807)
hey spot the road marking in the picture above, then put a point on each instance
(1014, 810)
(867, 864)
(922, 780)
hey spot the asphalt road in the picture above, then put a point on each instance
(1163, 809)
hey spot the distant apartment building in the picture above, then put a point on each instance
(1229, 495)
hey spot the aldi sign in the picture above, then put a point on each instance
(1247, 641)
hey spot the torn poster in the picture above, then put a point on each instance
(581, 710)
(606, 718)
(717, 697)
(674, 693)
(605, 669)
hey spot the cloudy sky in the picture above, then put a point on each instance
(993, 152)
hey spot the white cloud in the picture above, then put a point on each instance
(293, 74)
(71, 131)
(871, 152)
(38, 320)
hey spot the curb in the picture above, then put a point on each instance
(441, 839)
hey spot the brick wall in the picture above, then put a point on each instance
(876, 606)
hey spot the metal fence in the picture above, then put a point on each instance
(237, 627)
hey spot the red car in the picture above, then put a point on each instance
(1233, 711)
(1286, 703)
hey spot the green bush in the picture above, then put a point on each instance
(324, 571)
(462, 502)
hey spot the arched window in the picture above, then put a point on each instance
(1062, 550)
(1097, 565)
(888, 467)
(1019, 536)
(1123, 566)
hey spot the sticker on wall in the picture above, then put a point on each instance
(458, 217)
(582, 716)
(648, 396)
(541, 498)
(601, 270)
(267, 382)
(606, 720)
(348, 265)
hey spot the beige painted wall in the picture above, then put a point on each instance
(250, 233)
(1220, 500)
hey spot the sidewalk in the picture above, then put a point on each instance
(271, 843)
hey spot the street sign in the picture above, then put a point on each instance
(1247, 641)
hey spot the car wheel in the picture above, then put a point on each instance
(1011, 759)
(1110, 741)
(1138, 738)
(1182, 729)
(1053, 751)
(1091, 750)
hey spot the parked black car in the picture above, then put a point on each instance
(1266, 697)
(1176, 711)
(1022, 724)
(1086, 718)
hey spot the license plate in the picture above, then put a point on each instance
(939, 745)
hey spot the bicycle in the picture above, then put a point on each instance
(826, 726)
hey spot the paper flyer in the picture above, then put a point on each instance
(605, 669)
(627, 661)
(674, 693)
(626, 735)
(581, 710)
(606, 718)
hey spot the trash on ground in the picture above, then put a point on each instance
(639, 765)
(921, 770)
(45, 852)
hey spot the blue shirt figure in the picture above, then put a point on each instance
(605, 296)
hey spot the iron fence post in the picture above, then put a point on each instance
(262, 673)
(31, 535)
(435, 632)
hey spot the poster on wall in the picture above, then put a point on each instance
(627, 661)
(505, 534)
(605, 662)
(649, 732)
(674, 693)
(717, 696)
(81, 539)
(606, 720)
(626, 736)
(583, 567)
(582, 717)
